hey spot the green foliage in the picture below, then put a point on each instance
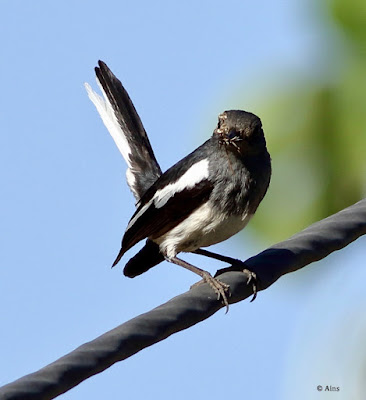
(350, 16)
(316, 135)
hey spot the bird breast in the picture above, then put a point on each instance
(204, 227)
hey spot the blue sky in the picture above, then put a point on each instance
(65, 202)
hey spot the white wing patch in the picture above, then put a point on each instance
(196, 173)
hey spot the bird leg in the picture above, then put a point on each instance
(218, 287)
(216, 256)
(252, 279)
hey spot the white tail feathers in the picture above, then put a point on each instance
(109, 119)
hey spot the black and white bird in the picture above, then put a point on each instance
(207, 197)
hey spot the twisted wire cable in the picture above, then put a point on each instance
(187, 309)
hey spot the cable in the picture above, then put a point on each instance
(181, 312)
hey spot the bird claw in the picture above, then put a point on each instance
(220, 288)
(252, 278)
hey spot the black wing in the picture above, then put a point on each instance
(155, 222)
(164, 206)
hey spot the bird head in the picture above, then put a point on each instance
(240, 131)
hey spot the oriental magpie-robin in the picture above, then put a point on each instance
(205, 198)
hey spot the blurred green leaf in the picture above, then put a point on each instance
(316, 134)
(350, 16)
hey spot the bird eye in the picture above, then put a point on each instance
(231, 134)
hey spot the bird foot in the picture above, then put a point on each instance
(252, 279)
(220, 288)
(252, 276)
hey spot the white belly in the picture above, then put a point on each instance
(202, 228)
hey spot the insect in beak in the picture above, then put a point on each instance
(229, 138)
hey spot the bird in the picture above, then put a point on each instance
(203, 199)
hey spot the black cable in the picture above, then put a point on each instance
(312, 244)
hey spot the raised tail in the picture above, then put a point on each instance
(123, 123)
